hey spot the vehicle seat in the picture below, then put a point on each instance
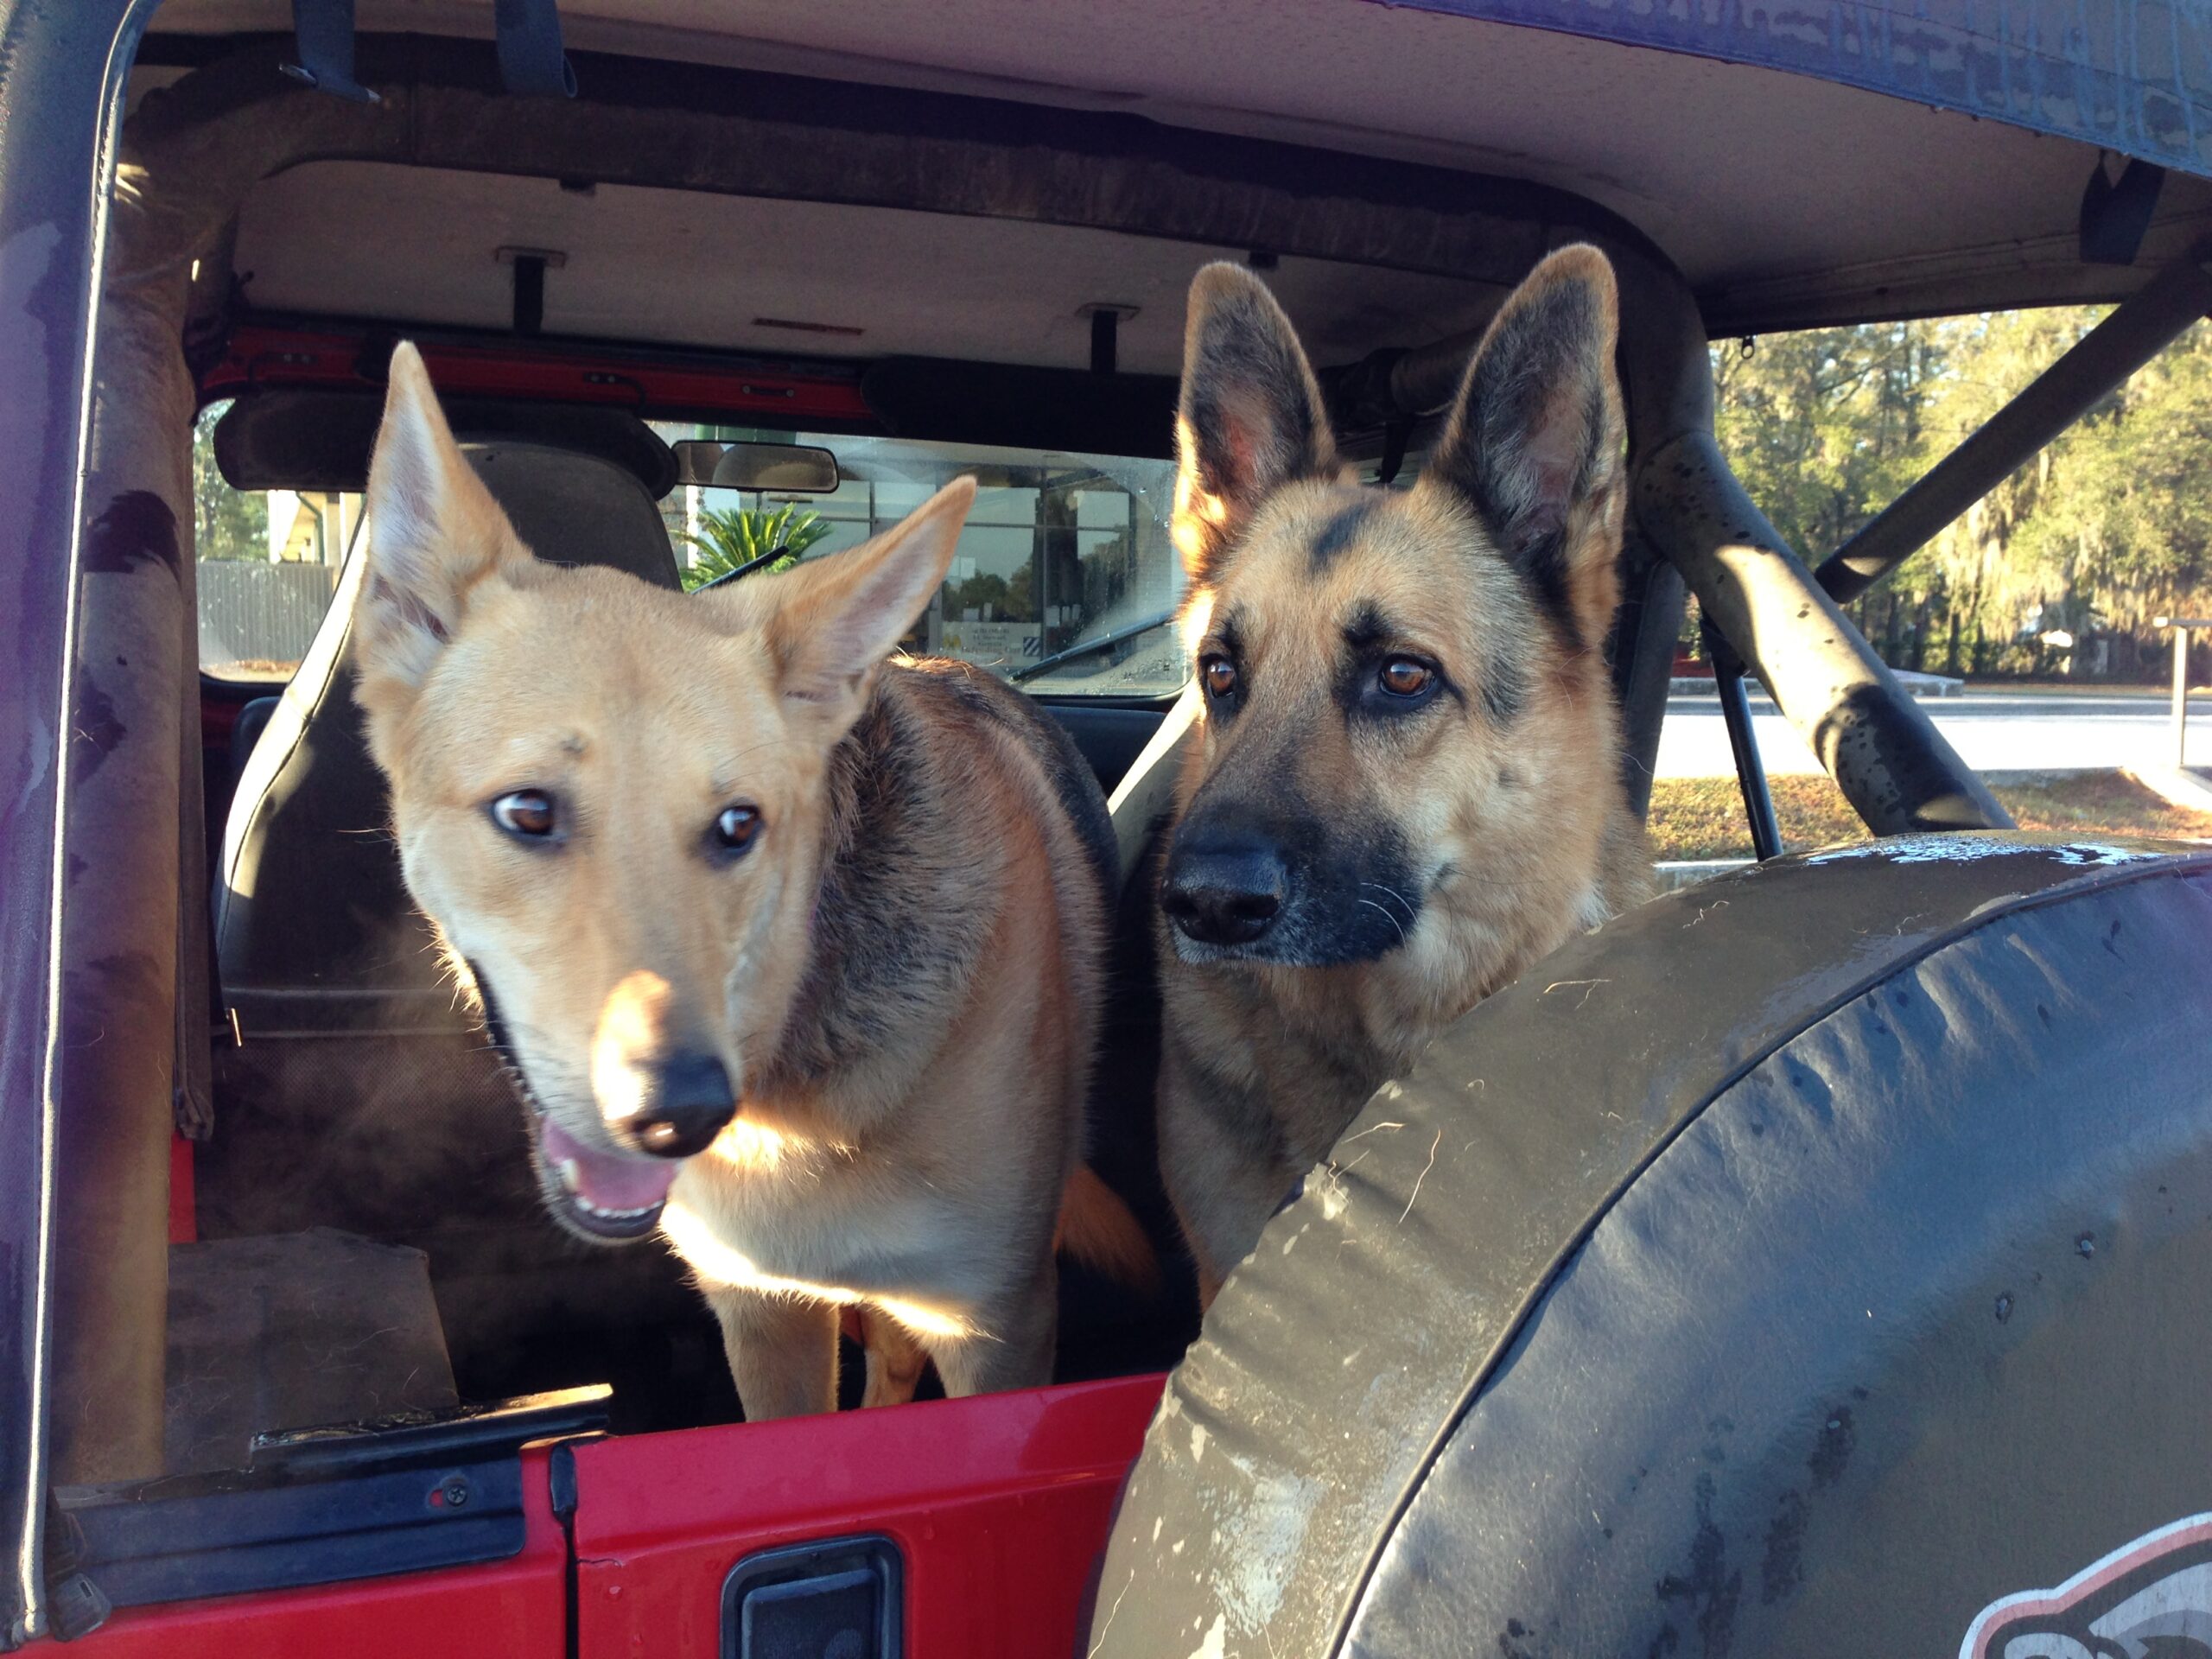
(362, 1094)
(247, 730)
(1105, 1331)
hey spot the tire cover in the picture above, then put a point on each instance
(1800, 1263)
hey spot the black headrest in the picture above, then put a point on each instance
(315, 438)
(576, 509)
(312, 916)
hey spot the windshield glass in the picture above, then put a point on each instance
(1066, 579)
(268, 561)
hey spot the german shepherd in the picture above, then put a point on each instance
(1407, 784)
(796, 955)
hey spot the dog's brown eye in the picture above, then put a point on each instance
(525, 812)
(736, 827)
(1402, 677)
(1220, 676)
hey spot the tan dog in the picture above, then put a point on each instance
(1407, 785)
(798, 956)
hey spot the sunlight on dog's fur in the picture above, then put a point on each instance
(798, 956)
(1408, 784)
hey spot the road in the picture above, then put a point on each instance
(2012, 732)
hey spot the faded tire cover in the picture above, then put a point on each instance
(1797, 1265)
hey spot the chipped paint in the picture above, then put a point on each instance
(1211, 1647)
(1169, 1405)
(1330, 1192)
(1264, 1537)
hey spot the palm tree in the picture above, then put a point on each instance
(730, 540)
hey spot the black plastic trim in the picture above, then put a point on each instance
(318, 1505)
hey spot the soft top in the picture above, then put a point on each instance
(1801, 166)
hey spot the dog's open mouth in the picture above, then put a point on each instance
(602, 1195)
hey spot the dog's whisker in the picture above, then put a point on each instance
(1394, 922)
(1395, 893)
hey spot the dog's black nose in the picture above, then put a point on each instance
(688, 1101)
(1224, 893)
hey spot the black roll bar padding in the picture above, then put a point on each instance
(1426, 378)
(1743, 744)
(1898, 771)
(2143, 326)
(1641, 651)
(532, 63)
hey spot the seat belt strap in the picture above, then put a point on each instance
(323, 32)
(532, 63)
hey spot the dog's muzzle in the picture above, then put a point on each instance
(1288, 892)
(1226, 892)
(684, 1104)
(677, 1107)
(681, 1104)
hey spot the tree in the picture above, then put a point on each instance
(984, 593)
(228, 524)
(2110, 525)
(733, 537)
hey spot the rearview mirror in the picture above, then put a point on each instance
(786, 468)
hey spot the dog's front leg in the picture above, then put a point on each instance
(1014, 1345)
(1217, 1159)
(783, 1352)
(895, 1359)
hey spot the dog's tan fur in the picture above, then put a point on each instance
(1505, 797)
(902, 974)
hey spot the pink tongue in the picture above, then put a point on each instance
(606, 1181)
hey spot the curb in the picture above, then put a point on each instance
(2183, 788)
(1673, 874)
(1919, 685)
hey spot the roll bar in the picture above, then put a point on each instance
(1898, 771)
(1688, 510)
(2138, 330)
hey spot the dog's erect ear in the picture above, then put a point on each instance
(831, 621)
(434, 531)
(1251, 419)
(1534, 440)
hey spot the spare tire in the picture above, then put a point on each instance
(1802, 1264)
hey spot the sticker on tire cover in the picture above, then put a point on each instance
(2148, 1599)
